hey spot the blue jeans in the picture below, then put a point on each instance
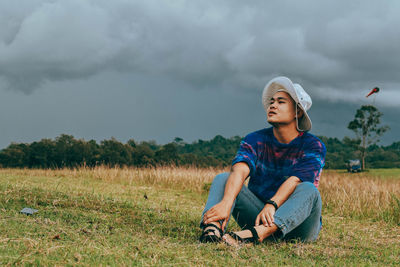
(299, 217)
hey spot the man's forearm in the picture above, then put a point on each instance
(232, 188)
(285, 190)
(234, 184)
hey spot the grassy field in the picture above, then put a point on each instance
(149, 217)
(373, 173)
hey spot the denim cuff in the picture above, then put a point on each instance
(281, 226)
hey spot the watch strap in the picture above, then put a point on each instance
(273, 203)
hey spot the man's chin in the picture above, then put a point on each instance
(273, 123)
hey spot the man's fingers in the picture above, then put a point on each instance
(209, 214)
(257, 223)
(207, 219)
(224, 224)
(213, 219)
(270, 220)
(272, 217)
(205, 216)
(264, 220)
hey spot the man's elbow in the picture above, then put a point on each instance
(241, 169)
(295, 180)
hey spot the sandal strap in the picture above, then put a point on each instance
(209, 231)
(237, 238)
(253, 239)
(205, 234)
(255, 235)
(205, 237)
(204, 226)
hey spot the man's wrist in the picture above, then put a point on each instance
(227, 201)
(273, 203)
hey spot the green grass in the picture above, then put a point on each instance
(385, 173)
(381, 173)
(89, 221)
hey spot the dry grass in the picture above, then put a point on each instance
(193, 179)
(361, 196)
(343, 194)
(100, 216)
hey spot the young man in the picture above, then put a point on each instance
(284, 163)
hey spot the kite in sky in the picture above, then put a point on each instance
(373, 91)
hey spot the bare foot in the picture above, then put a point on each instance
(246, 236)
(239, 238)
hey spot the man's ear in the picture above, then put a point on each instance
(300, 112)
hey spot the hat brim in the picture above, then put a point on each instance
(279, 83)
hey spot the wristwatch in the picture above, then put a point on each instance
(273, 203)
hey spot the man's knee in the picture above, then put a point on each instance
(308, 188)
(221, 178)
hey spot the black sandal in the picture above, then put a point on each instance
(207, 238)
(246, 240)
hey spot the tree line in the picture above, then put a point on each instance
(67, 152)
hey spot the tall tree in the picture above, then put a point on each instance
(367, 129)
(168, 154)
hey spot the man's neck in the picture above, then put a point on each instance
(285, 133)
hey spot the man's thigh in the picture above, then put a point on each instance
(247, 207)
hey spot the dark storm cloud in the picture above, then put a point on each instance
(159, 69)
(330, 48)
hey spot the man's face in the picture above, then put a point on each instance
(281, 109)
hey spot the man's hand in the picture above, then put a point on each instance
(218, 213)
(222, 210)
(266, 216)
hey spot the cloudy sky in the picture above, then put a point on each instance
(155, 70)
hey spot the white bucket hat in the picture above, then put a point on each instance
(302, 99)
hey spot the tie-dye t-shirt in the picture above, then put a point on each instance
(271, 162)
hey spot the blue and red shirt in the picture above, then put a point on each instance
(272, 162)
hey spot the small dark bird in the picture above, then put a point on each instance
(145, 196)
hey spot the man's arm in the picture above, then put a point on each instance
(239, 172)
(285, 190)
(307, 169)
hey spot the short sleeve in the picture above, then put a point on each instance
(309, 166)
(247, 154)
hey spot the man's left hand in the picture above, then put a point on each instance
(266, 216)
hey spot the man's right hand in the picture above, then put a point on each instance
(218, 213)
(222, 210)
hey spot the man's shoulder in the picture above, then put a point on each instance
(313, 141)
(263, 134)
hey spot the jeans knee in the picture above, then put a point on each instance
(309, 188)
(221, 178)
(306, 186)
